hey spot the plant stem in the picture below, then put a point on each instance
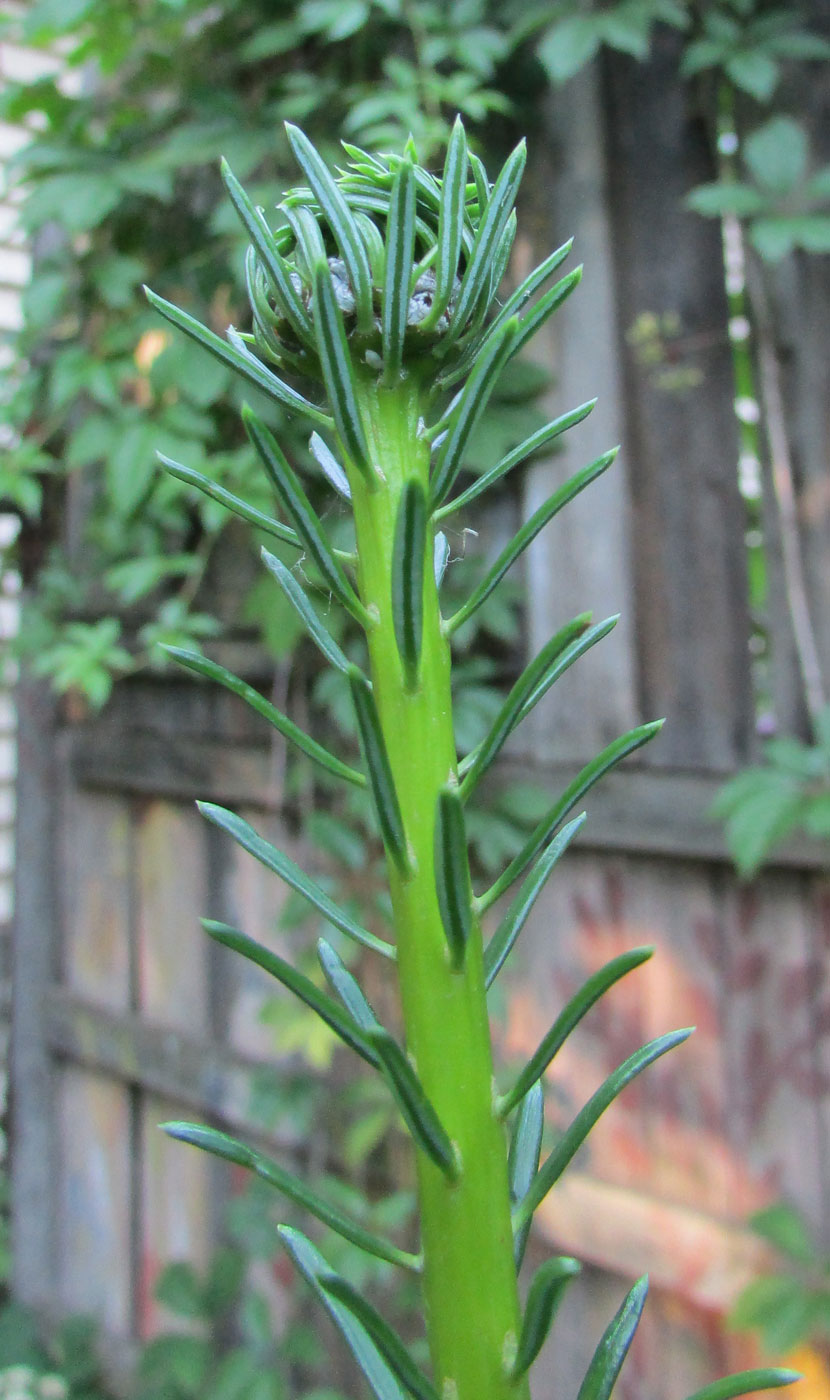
(747, 411)
(470, 1287)
(783, 483)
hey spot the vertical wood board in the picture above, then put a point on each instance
(97, 879)
(176, 1207)
(95, 1266)
(171, 893)
(567, 569)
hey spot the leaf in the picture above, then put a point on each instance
(452, 874)
(314, 1269)
(780, 1307)
(545, 307)
(487, 236)
(777, 154)
(344, 1026)
(400, 248)
(202, 666)
(347, 987)
(500, 946)
(450, 223)
(528, 533)
(471, 404)
(130, 468)
(275, 860)
(784, 1227)
(178, 1289)
(759, 808)
(330, 467)
(545, 1293)
(341, 222)
(609, 1356)
(381, 780)
(531, 444)
(523, 1158)
(305, 518)
(418, 1113)
(571, 1140)
(746, 1382)
(572, 653)
(176, 1361)
(571, 1015)
(408, 559)
(231, 1150)
(297, 598)
(530, 284)
(754, 72)
(775, 237)
(310, 247)
(236, 358)
(387, 1342)
(568, 46)
(289, 299)
(229, 500)
(337, 370)
(132, 579)
(617, 750)
(532, 678)
(726, 197)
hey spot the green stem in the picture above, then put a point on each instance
(470, 1286)
(747, 409)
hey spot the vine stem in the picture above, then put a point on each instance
(760, 406)
(783, 483)
(747, 406)
(470, 1289)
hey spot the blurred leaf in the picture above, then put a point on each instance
(785, 1228)
(178, 1289)
(755, 73)
(776, 154)
(759, 808)
(182, 1359)
(568, 46)
(776, 1306)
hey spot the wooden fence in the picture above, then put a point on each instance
(124, 1015)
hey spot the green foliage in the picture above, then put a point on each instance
(123, 164)
(747, 41)
(576, 36)
(789, 792)
(784, 205)
(792, 1306)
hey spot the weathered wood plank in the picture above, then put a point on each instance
(566, 571)
(176, 1207)
(692, 629)
(202, 1075)
(659, 811)
(171, 893)
(32, 1137)
(96, 954)
(704, 1260)
(94, 1256)
(253, 899)
(770, 988)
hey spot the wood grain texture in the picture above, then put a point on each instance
(97, 874)
(171, 890)
(691, 620)
(94, 1259)
(176, 1207)
(597, 699)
